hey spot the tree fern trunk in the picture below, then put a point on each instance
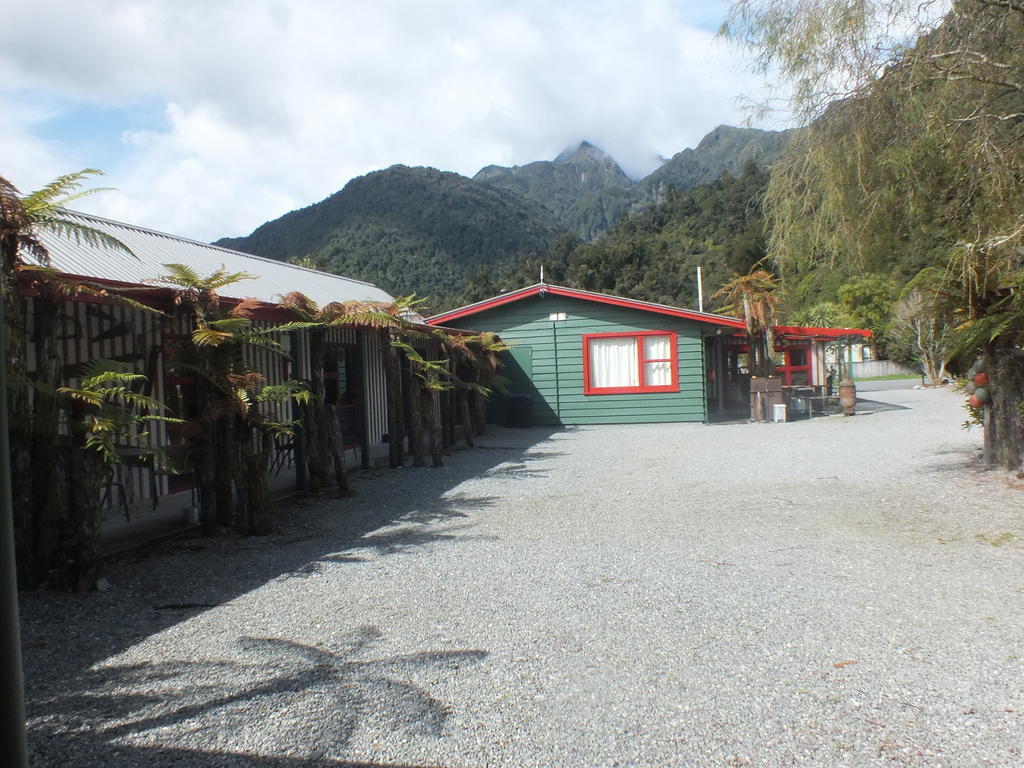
(467, 421)
(204, 465)
(478, 405)
(444, 400)
(261, 519)
(335, 448)
(47, 503)
(85, 473)
(227, 466)
(314, 415)
(430, 428)
(416, 422)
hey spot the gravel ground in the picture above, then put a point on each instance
(841, 592)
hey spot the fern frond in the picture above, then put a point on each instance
(181, 275)
(230, 324)
(83, 233)
(57, 192)
(298, 325)
(207, 337)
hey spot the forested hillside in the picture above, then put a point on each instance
(585, 188)
(588, 192)
(909, 174)
(654, 253)
(420, 230)
(725, 149)
(407, 229)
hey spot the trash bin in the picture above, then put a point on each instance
(519, 411)
(779, 412)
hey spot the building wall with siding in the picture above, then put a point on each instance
(92, 331)
(375, 387)
(556, 358)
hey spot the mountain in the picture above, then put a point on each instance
(588, 191)
(726, 148)
(434, 233)
(407, 229)
(584, 187)
(653, 254)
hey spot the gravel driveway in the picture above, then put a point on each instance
(841, 592)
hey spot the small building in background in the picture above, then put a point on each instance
(591, 358)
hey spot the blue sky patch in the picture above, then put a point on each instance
(95, 132)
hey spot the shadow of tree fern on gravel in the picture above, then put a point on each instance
(406, 538)
(281, 698)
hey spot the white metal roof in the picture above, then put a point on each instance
(152, 250)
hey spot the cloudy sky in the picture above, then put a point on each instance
(210, 117)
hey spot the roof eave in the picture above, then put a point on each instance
(541, 289)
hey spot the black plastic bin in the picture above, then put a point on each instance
(518, 411)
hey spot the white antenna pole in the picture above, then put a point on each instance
(542, 273)
(700, 291)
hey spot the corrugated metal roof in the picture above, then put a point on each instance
(152, 250)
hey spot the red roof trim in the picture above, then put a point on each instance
(827, 333)
(602, 298)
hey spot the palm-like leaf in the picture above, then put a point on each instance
(49, 281)
(46, 209)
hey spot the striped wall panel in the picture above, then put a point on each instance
(375, 387)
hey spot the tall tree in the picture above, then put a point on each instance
(230, 428)
(56, 511)
(755, 298)
(912, 151)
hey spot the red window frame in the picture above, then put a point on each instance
(787, 368)
(643, 387)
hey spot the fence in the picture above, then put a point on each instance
(872, 368)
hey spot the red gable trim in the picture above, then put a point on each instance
(601, 298)
(824, 333)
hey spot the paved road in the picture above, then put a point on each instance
(839, 592)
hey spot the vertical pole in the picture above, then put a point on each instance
(720, 373)
(700, 290)
(554, 349)
(12, 705)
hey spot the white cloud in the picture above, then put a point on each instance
(273, 105)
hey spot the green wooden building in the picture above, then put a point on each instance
(592, 358)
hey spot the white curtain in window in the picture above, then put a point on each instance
(613, 362)
(657, 374)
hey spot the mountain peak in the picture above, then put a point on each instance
(574, 153)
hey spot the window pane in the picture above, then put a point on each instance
(798, 357)
(657, 348)
(613, 362)
(657, 374)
